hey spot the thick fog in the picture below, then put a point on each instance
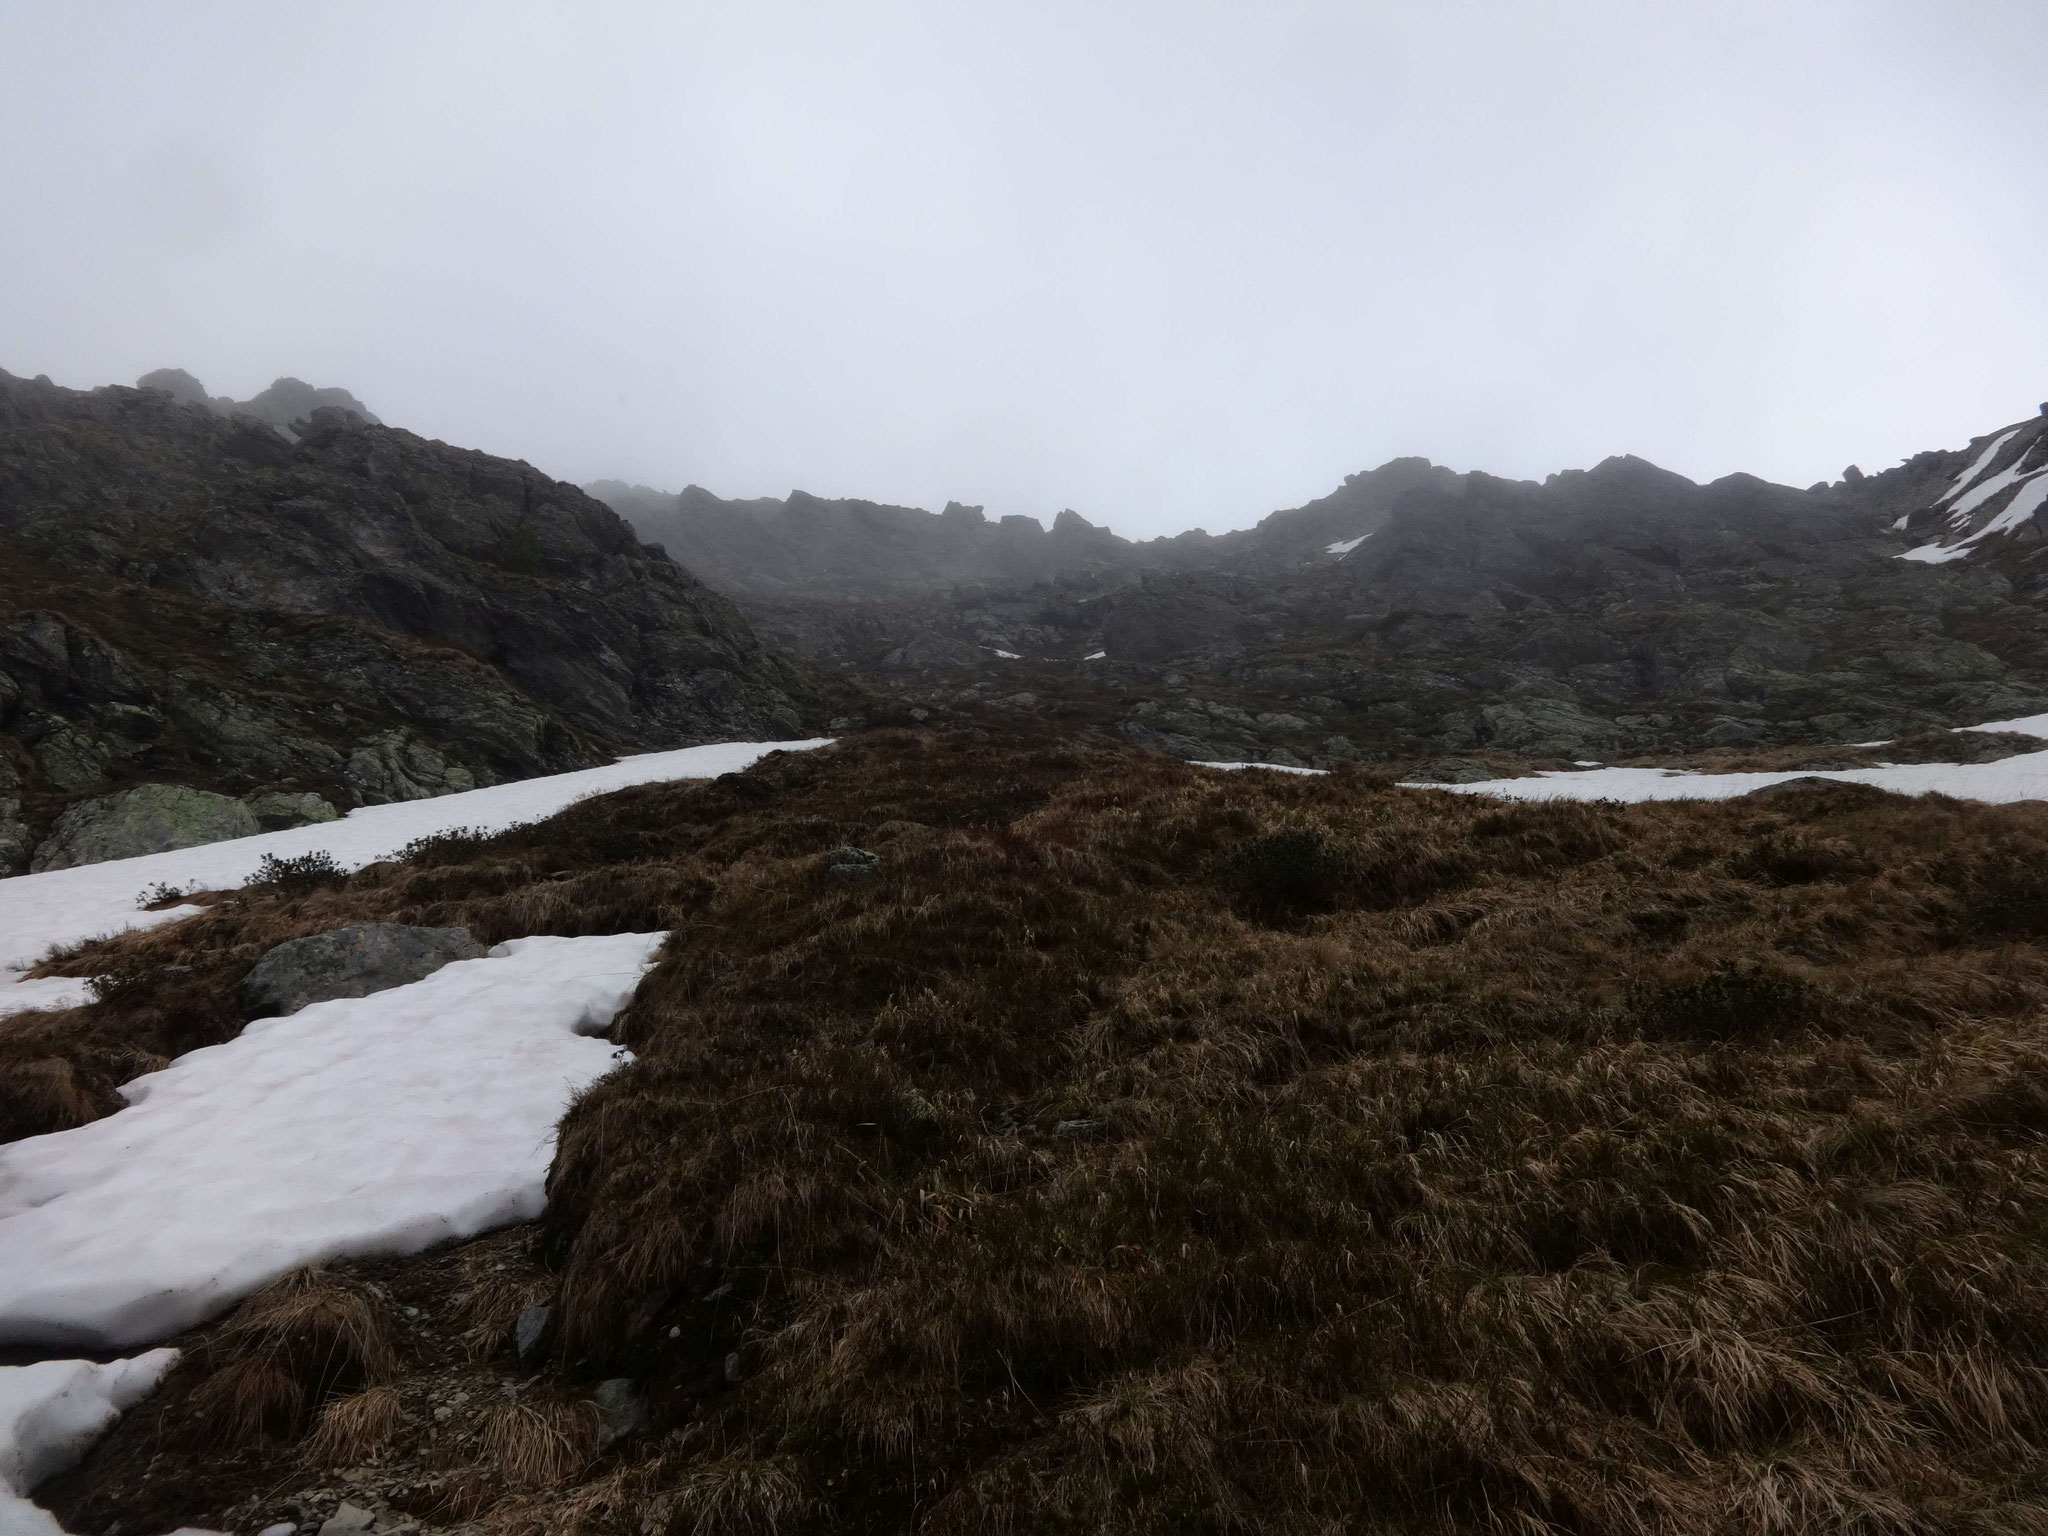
(1170, 264)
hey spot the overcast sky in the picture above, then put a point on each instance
(1169, 264)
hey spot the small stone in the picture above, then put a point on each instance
(623, 1408)
(1081, 1130)
(347, 1520)
(920, 715)
(851, 863)
(531, 1330)
(732, 1367)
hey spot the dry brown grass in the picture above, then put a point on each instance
(1460, 1166)
(1144, 1148)
(290, 1348)
(540, 1442)
(352, 1429)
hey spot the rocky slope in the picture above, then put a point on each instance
(1622, 610)
(359, 614)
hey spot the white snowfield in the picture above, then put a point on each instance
(1344, 547)
(2014, 778)
(50, 1414)
(371, 1125)
(64, 906)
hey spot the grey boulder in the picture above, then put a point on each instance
(349, 962)
(150, 819)
(282, 808)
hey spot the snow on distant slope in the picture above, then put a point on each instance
(64, 906)
(50, 1414)
(2024, 777)
(1979, 504)
(1936, 554)
(1977, 466)
(377, 1124)
(1344, 546)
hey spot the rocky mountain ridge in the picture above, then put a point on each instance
(359, 614)
(1607, 612)
(809, 546)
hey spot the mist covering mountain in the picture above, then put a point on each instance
(286, 402)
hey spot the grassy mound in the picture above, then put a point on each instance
(1132, 1146)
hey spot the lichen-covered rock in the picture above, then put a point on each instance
(150, 819)
(282, 808)
(349, 962)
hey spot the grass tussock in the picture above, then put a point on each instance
(292, 1347)
(352, 1429)
(538, 1443)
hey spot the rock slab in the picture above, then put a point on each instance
(349, 962)
(152, 818)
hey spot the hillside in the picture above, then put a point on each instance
(1030, 1133)
(359, 614)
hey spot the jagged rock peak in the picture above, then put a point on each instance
(283, 405)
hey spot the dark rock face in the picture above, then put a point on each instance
(349, 962)
(152, 818)
(361, 615)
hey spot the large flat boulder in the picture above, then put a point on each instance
(349, 962)
(152, 818)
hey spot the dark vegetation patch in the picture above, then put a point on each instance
(1140, 1147)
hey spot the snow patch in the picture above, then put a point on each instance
(51, 1413)
(371, 1125)
(1005, 655)
(1977, 468)
(1935, 554)
(1344, 546)
(2024, 725)
(2011, 475)
(19, 995)
(2024, 777)
(2032, 492)
(65, 906)
(1096, 656)
(1269, 767)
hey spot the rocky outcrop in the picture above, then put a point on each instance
(152, 818)
(361, 615)
(285, 406)
(349, 962)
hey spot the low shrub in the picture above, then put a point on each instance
(298, 875)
